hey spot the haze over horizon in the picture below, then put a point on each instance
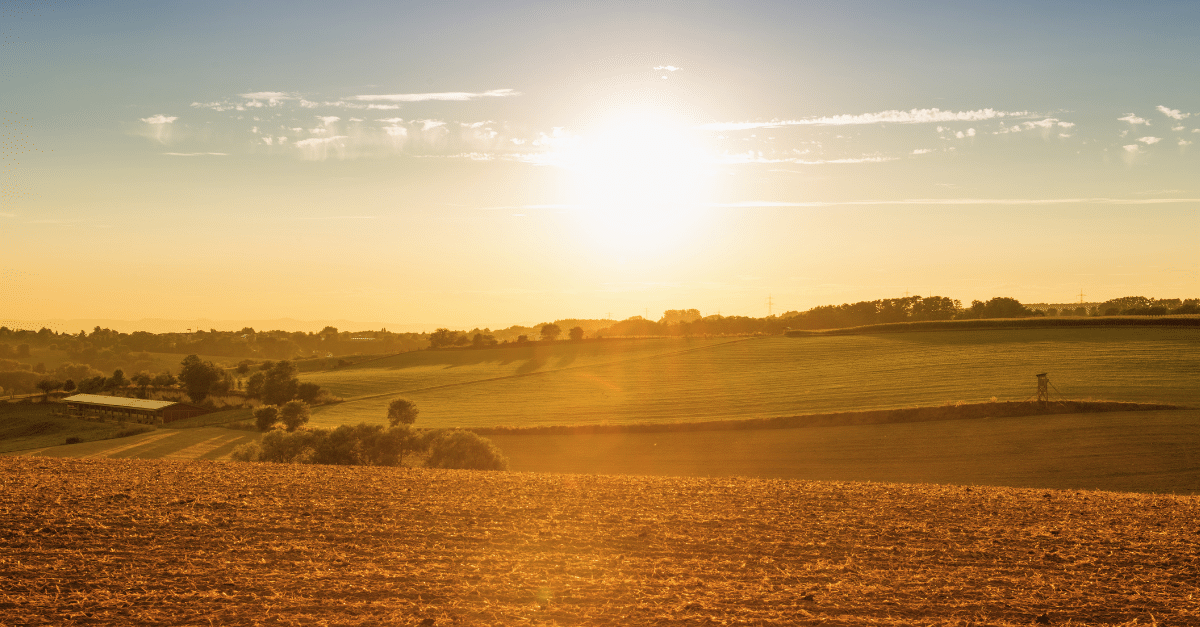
(466, 163)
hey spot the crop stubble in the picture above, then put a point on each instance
(175, 543)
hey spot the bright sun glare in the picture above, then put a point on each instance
(641, 182)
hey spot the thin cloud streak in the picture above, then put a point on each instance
(913, 116)
(959, 201)
(336, 217)
(445, 96)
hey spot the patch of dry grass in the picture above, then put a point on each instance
(175, 543)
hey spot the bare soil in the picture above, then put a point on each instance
(140, 542)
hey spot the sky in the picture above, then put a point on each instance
(492, 163)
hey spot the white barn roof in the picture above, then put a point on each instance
(119, 401)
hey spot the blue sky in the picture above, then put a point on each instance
(491, 163)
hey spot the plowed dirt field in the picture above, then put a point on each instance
(141, 542)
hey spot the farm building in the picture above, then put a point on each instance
(96, 406)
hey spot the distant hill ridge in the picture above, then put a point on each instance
(1006, 323)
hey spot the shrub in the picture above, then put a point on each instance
(359, 445)
(463, 449)
(248, 452)
(124, 433)
(265, 417)
(73, 440)
(293, 414)
(289, 448)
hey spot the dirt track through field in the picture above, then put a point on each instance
(152, 542)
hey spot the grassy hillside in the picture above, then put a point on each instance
(1156, 451)
(168, 543)
(689, 380)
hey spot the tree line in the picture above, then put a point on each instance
(287, 441)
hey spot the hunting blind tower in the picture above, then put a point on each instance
(1043, 394)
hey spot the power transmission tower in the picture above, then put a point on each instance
(1080, 296)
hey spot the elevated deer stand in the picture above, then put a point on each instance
(1043, 394)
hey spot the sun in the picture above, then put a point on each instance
(641, 178)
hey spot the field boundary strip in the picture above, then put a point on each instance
(546, 372)
(109, 452)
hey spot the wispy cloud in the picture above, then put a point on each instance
(445, 95)
(6, 214)
(336, 217)
(321, 148)
(270, 96)
(1174, 114)
(756, 157)
(196, 154)
(669, 68)
(960, 201)
(912, 116)
(1134, 120)
(1149, 141)
(158, 127)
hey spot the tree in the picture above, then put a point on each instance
(254, 385)
(442, 337)
(308, 392)
(280, 384)
(143, 379)
(456, 448)
(92, 385)
(165, 380)
(22, 350)
(389, 447)
(117, 380)
(402, 412)
(48, 385)
(68, 386)
(576, 334)
(265, 417)
(293, 414)
(481, 340)
(221, 386)
(198, 377)
(551, 332)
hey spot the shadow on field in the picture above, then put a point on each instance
(1146, 451)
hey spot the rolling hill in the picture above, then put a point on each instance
(683, 380)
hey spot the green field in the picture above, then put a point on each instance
(1153, 451)
(682, 380)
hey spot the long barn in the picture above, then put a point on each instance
(96, 406)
